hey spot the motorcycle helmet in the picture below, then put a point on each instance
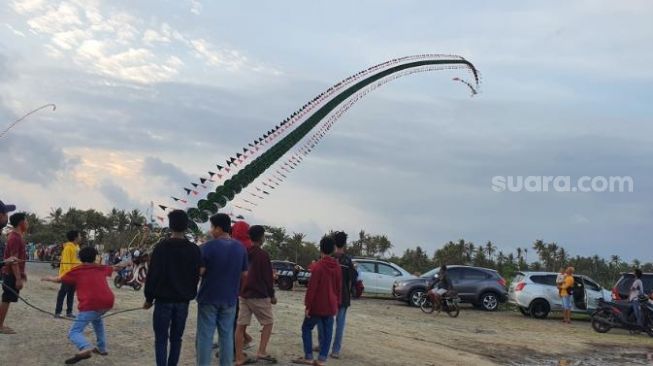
(137, 253)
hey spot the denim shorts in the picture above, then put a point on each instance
(566, 302)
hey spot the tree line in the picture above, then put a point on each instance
(118, 228)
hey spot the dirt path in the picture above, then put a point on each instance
(379, 332)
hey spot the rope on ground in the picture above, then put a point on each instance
(104, 316)
(57, 262)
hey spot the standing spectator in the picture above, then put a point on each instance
(240, 232)
(257, 297)
(322, 300)
(636, 290)
(171, 284)
(565, 292)
(225, 267)
(349, 278)
(13, 275)
(4, 219)
(69, 260)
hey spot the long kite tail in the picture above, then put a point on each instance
(254, 168)
(14, 123)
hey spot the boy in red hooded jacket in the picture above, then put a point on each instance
(323, 297)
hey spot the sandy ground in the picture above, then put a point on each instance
(379, 332)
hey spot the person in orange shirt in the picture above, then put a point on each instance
(565, 292)
(69, 260)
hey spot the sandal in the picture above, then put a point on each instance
(303, 361)
(97, 351)
(78, 357)
(248, 361)
(267, 358)
(7, 330)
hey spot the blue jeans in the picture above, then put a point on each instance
(208, 318)
(341, 317)
(325, 332)
(76, 333)
(169, 322)
(637, 310)
(566, 302)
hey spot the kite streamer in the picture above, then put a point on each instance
(469, 85)
(247, 168)
(328, 124)
(14, 123)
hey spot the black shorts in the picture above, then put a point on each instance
(9, 281)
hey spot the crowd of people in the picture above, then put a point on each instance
(230, 277)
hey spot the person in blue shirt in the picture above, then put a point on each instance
(224, 269)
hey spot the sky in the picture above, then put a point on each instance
(152, 94)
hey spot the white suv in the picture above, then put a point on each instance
(536, 294)
(378, 276)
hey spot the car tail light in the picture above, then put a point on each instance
(520, 286)
(502, 282)
(615, 294)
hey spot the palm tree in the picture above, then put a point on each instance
(563, 257)
(519, 253)
(637, 263)
(55, 216)
(490, 249)
(136, 218)
(383, 244)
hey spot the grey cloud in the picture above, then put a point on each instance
(32, 159)
(118, 196)
(158, 168)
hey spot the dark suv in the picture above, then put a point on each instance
(286, 273)
(482, 287)
(621, 289)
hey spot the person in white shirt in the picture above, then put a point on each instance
(636, 290)
(560, 278)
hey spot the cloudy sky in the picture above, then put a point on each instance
(151, 94)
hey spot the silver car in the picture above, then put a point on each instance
(536, 294)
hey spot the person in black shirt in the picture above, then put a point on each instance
(349, 277)
(171, 284)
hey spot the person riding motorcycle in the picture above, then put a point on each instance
(440, 287)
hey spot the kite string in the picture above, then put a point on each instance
(39, 309)
(6, 130)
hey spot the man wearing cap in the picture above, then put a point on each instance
(4, 219)
(13, 276)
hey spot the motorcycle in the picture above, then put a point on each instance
(613, 314)
(449, 303)
(134, 277)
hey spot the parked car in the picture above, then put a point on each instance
(482, 287)
(287, 273)
(378, 276)
(536, 294)
(621, 289)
